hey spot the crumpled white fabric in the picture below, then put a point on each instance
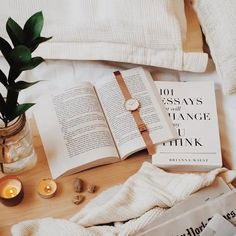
(143, 197)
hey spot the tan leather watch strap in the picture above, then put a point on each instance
(123, 87)
(136, 114)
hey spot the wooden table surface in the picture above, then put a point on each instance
(61, 206)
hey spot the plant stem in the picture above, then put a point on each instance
(5, 121)
(12, 97)
(11, 102)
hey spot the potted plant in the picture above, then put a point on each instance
(15, 138)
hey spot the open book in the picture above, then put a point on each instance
(86, 125)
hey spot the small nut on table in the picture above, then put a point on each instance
(78, 199)
(91, 188)
(78, 185)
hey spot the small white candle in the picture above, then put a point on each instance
(11, 190)
(47, 188)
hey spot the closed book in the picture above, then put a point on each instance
(192, 109)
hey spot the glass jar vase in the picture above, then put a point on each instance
(16, 146)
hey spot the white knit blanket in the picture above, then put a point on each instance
(143, 197)
(218, 23)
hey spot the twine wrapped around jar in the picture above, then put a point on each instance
(17, 152)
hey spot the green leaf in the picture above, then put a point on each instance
(13, 74)
(15, 32)
(18, 110)
(35, 43)
(5, 48)
(34, 63)
(33, 26)
(20, 85)
(3, 78)
(19, 56)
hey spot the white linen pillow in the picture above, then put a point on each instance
(148, 32)
(218, 21)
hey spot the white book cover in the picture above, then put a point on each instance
(192, 109)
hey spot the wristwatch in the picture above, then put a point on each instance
(133, 105)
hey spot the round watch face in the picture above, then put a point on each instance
(132, 104)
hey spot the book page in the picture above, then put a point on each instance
(122, 124)
(219, 226)
(73, 128)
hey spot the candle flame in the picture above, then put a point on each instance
(48, 188)
(10, 192)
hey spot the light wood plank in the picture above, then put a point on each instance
(194, 40)
(61, 206)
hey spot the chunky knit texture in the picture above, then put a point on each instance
(218, 21)
(143, 197)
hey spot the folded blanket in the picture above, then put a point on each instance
(143, 197)
(136, 31)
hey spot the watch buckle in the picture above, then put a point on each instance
(142, 127)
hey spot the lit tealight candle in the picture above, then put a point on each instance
(47, 188)
(11, 191)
